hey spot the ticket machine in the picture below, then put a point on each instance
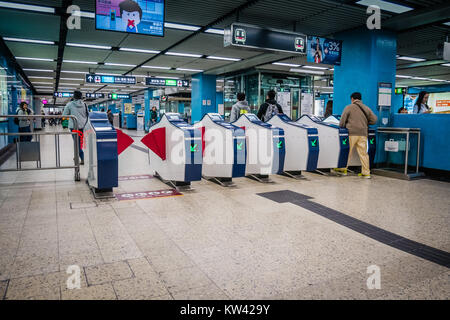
(371, 144)
(101, 155)
(302, 145)
(175, 151)
(224, 149)
(265, 147)
(334, 143)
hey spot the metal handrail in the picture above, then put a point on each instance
(76, 165)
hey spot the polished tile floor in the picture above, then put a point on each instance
(215, 242)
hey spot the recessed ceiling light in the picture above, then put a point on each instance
(92, 46)
(155, 67)
(181, 26)
(307, 71)
(67, 71)
(39, 70)
(35, 59)
(119, 64)
(74, 79)
(37, 82)
(28, 40)
(80, 62)
(385, 5)
(191, 70)
(314, 67)
(215, 31)
(37, 77)
(28, 7)
(403, 77)
(223, 58)
(286, 64)
(446, 64)
(180, 54)
(139, 50)
(411, 59)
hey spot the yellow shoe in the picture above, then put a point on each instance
(365, 176)
(342, 172)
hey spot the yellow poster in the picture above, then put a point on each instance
(128, 107)
(23, 94)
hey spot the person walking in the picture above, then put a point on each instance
(153, 116)
(110, 117)
(329, 109)
(24, 124)
(356, 118)
(269, 108)
(78, 109)
(239, 108)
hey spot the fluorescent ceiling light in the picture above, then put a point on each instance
(220, 80)
(412, 59)
(307, 71)
(438, 80)
(37, 77)
(420, 78)
(385, 5)
(29, 7)
(215, 31)
(446, 64)
(286, 64)
(331, 69)
(155, 67)
(139, 50)
(74, 79)
(80, 62)
(87, 14)
(37, 82)
(29, 40)
(181, 26)
(447, 23)
(222, 58)
(314, 67)
(69, 84)
(35, 59)
(403, 77)
(180, 54)
(92, 46)
(119, 64)
(39, 70)
(67, 71)
(192, 70)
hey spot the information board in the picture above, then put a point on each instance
(107, 79)
(118, 96)
(63, 94)
(162, 82)
(384, 94)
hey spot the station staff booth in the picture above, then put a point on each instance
(224, 149)
(175, 151)
(334, 143)
(302, 145)
(265, 147)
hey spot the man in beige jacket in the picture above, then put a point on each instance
(356, 118)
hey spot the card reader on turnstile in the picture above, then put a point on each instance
(224, 149)
(371, 144)
(334, 142)
(175, 151)
(265, 147)
(101, 154)
(302, 144)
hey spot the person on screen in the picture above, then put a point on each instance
(317, 51)
(131, 14)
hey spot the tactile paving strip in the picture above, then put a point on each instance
(391, 239)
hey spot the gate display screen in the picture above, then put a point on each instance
(131, 16)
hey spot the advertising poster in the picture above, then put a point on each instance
(128, 108)
(132, 16)
(440, 102)
(322, 50)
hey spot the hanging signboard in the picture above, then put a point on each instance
(63, 94)
(248, 36)
(95, 95)
(323, 50)
(162, 82)
(98, 78)
(118, 96)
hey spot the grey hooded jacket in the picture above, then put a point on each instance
(24, 122)
(78, 109)
(237, 109)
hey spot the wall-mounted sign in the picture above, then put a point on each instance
(384, 94)
(95, 95)
(248, 36)
(400, 90)
(128, 108)
(98, 78)
(63, 94)
(118, 96)
(138, 16)
(44, 101)
(322, 50)
(161, 82)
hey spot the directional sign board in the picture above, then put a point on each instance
(248, 36)
(161, 82)
(118, 96)
(95, 95)
(98, 78)
(63, 94)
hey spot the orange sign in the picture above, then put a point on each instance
(442, 103)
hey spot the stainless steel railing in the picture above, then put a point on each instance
(38, 135)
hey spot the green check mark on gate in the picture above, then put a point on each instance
(313, 142)
(372, 140)
(194, 148)
(239, 146)
(344, 142)
(280, 144)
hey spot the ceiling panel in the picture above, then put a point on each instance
(29, 25)
(21, 49)
(85, 54)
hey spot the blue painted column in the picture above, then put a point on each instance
(368, 57)
(203, 96)
(148, 96)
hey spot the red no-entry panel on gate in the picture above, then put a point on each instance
(123, 141)
(156, 141)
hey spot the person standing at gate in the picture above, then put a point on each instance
(79, 110)
(239, 108)
(356, 118)
(269, 108)
(24, 124)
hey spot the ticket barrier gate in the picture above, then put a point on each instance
(302, 145)
(224, 149)
(265, 147)
(334, 143)
(101, 155)
(175, 151)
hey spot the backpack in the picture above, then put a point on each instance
(16, 120)
(271, 110)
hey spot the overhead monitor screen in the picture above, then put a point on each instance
(132, 16)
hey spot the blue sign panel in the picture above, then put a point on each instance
(322, 50)
(63, 94)
(98, 78)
